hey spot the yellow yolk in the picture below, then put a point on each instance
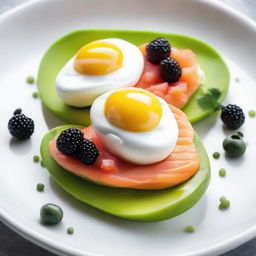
(98, 58)
(133, 110)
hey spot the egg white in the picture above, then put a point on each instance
(138, 147)
(80, 90)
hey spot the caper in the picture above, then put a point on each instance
(234, 146)
(51, 214)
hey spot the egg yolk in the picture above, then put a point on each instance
(133, 110)
(98, 58)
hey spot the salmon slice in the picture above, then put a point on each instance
(176, 94)
(109, 170)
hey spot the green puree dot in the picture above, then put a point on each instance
(30, 79)
(222, 172)
(40, 187)
(224, 203)
(190, 229)
(36, 159)
(216, 155)
(70, 230)
(252, 113)
(35, 95)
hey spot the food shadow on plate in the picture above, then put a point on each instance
(60, 226)
(228, 132)
(235, 162)
(20, 147)
(193, 216)
(203, 127)
(50, 119)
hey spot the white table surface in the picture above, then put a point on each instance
(12, 244)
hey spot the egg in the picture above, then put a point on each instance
(98, 67)
(135, 125)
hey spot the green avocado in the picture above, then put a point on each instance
(140, 205)
(216, 71)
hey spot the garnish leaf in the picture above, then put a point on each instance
(209, 101)
(215, 93)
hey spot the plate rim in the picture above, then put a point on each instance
(62, 249)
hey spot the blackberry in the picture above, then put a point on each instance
(21, 127)
(170, 70)
(69, 141)
(88, 152)
(158, 49)
(232, 116)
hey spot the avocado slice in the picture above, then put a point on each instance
(141, 205)
(216, 71)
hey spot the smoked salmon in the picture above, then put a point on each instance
(109, 170)
(176, 94)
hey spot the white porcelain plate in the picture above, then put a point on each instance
(25, 34)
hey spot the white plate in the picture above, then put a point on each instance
(26, 33)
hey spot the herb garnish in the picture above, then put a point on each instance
(209, 101)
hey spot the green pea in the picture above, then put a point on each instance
(30, 79)
(35, 95)
(36, 158)
(224, 203)
(51, 214)
(70, 230)
(190, 229)
(40, 187)
(234, 146)
(252, 113)
(222, 172)
(216, 155)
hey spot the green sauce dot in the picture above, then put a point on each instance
(190, 229)
(222, 172)
(252, 113)
(30, 79)
(216, 155)
(70, 230)
(40, 187)
(224, 203)
(36, 159)
(35, 95)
